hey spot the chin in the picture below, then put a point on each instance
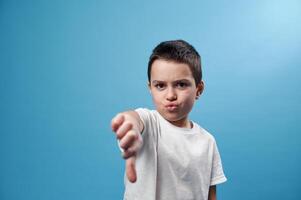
(172, 117)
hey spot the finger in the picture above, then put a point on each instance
(131, 169)
(123, 129)
(133, 149)
(117, 121)
(129, 139)
(129, 152)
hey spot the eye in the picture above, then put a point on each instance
(182, 85)
(159, 86)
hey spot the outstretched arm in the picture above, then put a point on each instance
(128, 127)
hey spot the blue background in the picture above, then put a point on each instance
(67, 67)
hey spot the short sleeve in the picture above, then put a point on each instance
(148, 119)
(217, 173)
(144, 116)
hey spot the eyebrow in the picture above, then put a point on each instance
(180, 80)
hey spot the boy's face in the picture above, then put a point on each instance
(173, 90)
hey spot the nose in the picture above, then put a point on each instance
(171, 95)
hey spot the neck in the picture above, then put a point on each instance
(183, 123)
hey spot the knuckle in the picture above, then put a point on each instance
(124, 129)
(133, 134)
(129, 153)
(122, 143)
(119, 134)
(115, 119)
(128, 139)
(129, 125)
(119, 115)
(112, 122)
(130, 150)
(126, 126)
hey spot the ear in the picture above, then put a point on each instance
(199, 89)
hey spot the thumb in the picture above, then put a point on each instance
(131, 169)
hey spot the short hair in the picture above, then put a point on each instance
(178, 51)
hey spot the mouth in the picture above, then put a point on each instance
(171, 107)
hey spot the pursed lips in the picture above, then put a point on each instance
(171, 107)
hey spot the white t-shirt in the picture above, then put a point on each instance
(174, 163)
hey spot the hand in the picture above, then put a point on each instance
(127, 132)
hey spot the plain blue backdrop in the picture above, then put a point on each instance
(67, 67)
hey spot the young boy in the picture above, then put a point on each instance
(168, 156)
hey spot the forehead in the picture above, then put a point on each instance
(164, 70)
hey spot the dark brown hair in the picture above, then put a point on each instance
(178, 51)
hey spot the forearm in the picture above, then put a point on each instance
(212, 193)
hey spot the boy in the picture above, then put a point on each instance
(169, 157)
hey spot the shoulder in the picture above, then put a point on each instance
(204, 133)
(147, 116)
(145, 113)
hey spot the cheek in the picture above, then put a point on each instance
(189, 98)
(189, 94)
(157, 99)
